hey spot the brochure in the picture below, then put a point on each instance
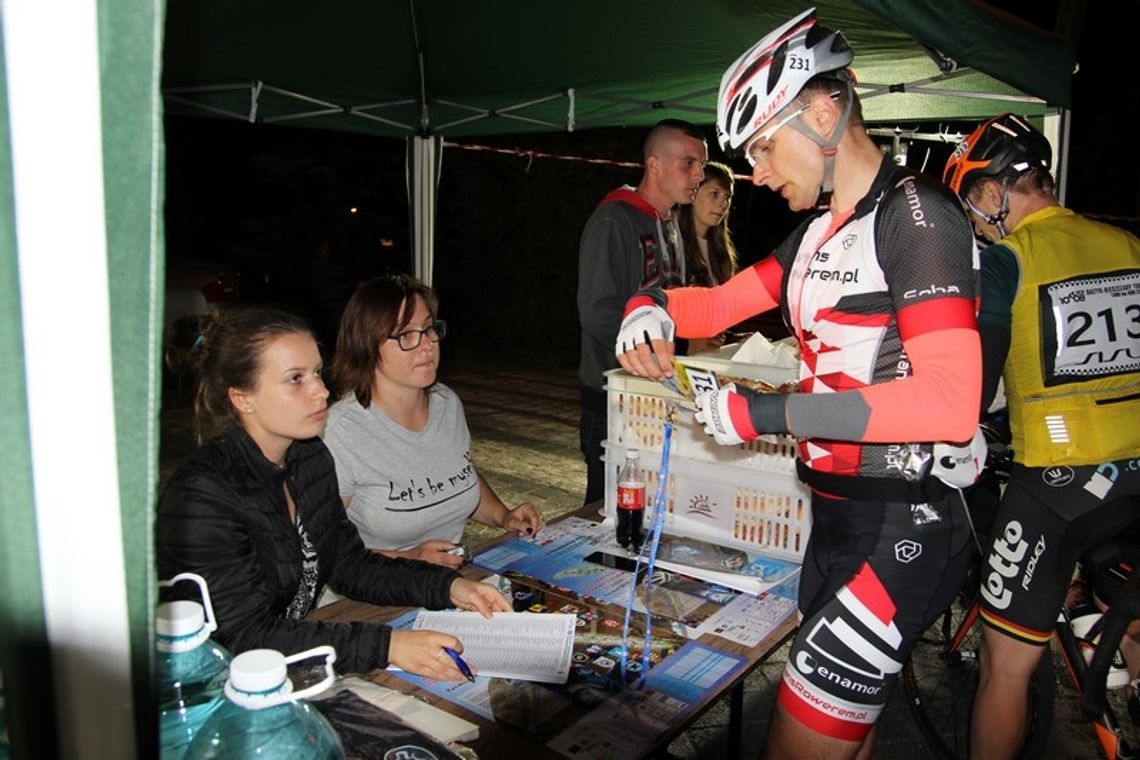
(750, 572)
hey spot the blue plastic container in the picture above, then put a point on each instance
(263, 718)
(192, 670)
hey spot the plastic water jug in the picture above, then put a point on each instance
(192, 669)
(263, 717)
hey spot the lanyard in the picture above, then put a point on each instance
(648, 554)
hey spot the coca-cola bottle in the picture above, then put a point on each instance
(631, 500)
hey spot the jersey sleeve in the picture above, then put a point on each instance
(927, 253)
(699, 312)
(926, 250)
(1000, 277)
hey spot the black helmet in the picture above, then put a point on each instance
(1004, 145)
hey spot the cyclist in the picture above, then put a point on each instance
(879, 289)
(1060, 320)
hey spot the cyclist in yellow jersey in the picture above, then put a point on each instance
(1060, 322)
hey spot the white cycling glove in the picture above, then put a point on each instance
(734, 415)
(642, 325)
(714, 412)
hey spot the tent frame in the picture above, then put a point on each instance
(425, 148)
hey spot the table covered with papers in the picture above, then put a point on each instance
(705, 638)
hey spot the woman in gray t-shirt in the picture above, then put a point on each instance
(399, 438)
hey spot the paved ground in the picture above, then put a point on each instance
(525, 443)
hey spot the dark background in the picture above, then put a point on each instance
(263, 200)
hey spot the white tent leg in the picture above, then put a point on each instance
(1056, 128)
(424, 162)
(58, 183)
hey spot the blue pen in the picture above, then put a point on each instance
(459, 663)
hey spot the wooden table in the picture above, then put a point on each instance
(497, 740)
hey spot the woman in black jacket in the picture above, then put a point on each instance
(256, 512)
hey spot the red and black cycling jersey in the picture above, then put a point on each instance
(882, 301)
(854, 289)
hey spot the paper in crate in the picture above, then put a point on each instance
(637, 409)
(745, 507)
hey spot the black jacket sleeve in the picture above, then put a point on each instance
(995, 348)
(235, 536)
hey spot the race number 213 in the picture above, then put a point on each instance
(1097, 325)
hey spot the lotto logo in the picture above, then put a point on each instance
(1005, 563)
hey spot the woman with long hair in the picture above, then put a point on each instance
(710, 256)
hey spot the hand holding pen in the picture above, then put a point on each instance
(459, 663)
(430, 654)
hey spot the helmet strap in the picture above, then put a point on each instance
(996, 219)
(828, 147)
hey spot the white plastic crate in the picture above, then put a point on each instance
(748, 508)
(637, 409)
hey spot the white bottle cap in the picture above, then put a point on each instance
(259, 678)
(259, 671)
(180, 626)
(632, 454)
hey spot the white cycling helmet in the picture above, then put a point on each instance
(771, 73)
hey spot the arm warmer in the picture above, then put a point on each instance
(700, 312)
(938, 402)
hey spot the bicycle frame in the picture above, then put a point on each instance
(1105, 725)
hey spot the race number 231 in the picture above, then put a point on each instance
(1097, 325)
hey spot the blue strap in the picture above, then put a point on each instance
(648, 554)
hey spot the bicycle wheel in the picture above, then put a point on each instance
(940, 679)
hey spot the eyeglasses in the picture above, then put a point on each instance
(759, 143)
(409, 340)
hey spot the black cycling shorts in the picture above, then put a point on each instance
(1048, 518)
(873, 580)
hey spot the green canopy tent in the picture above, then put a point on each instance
(81, 239)
(454, 68)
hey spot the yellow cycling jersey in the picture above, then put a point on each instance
(1072, 376)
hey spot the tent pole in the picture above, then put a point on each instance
(1058, 128)
(424, 163)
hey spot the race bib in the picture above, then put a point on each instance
(1092, 327)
